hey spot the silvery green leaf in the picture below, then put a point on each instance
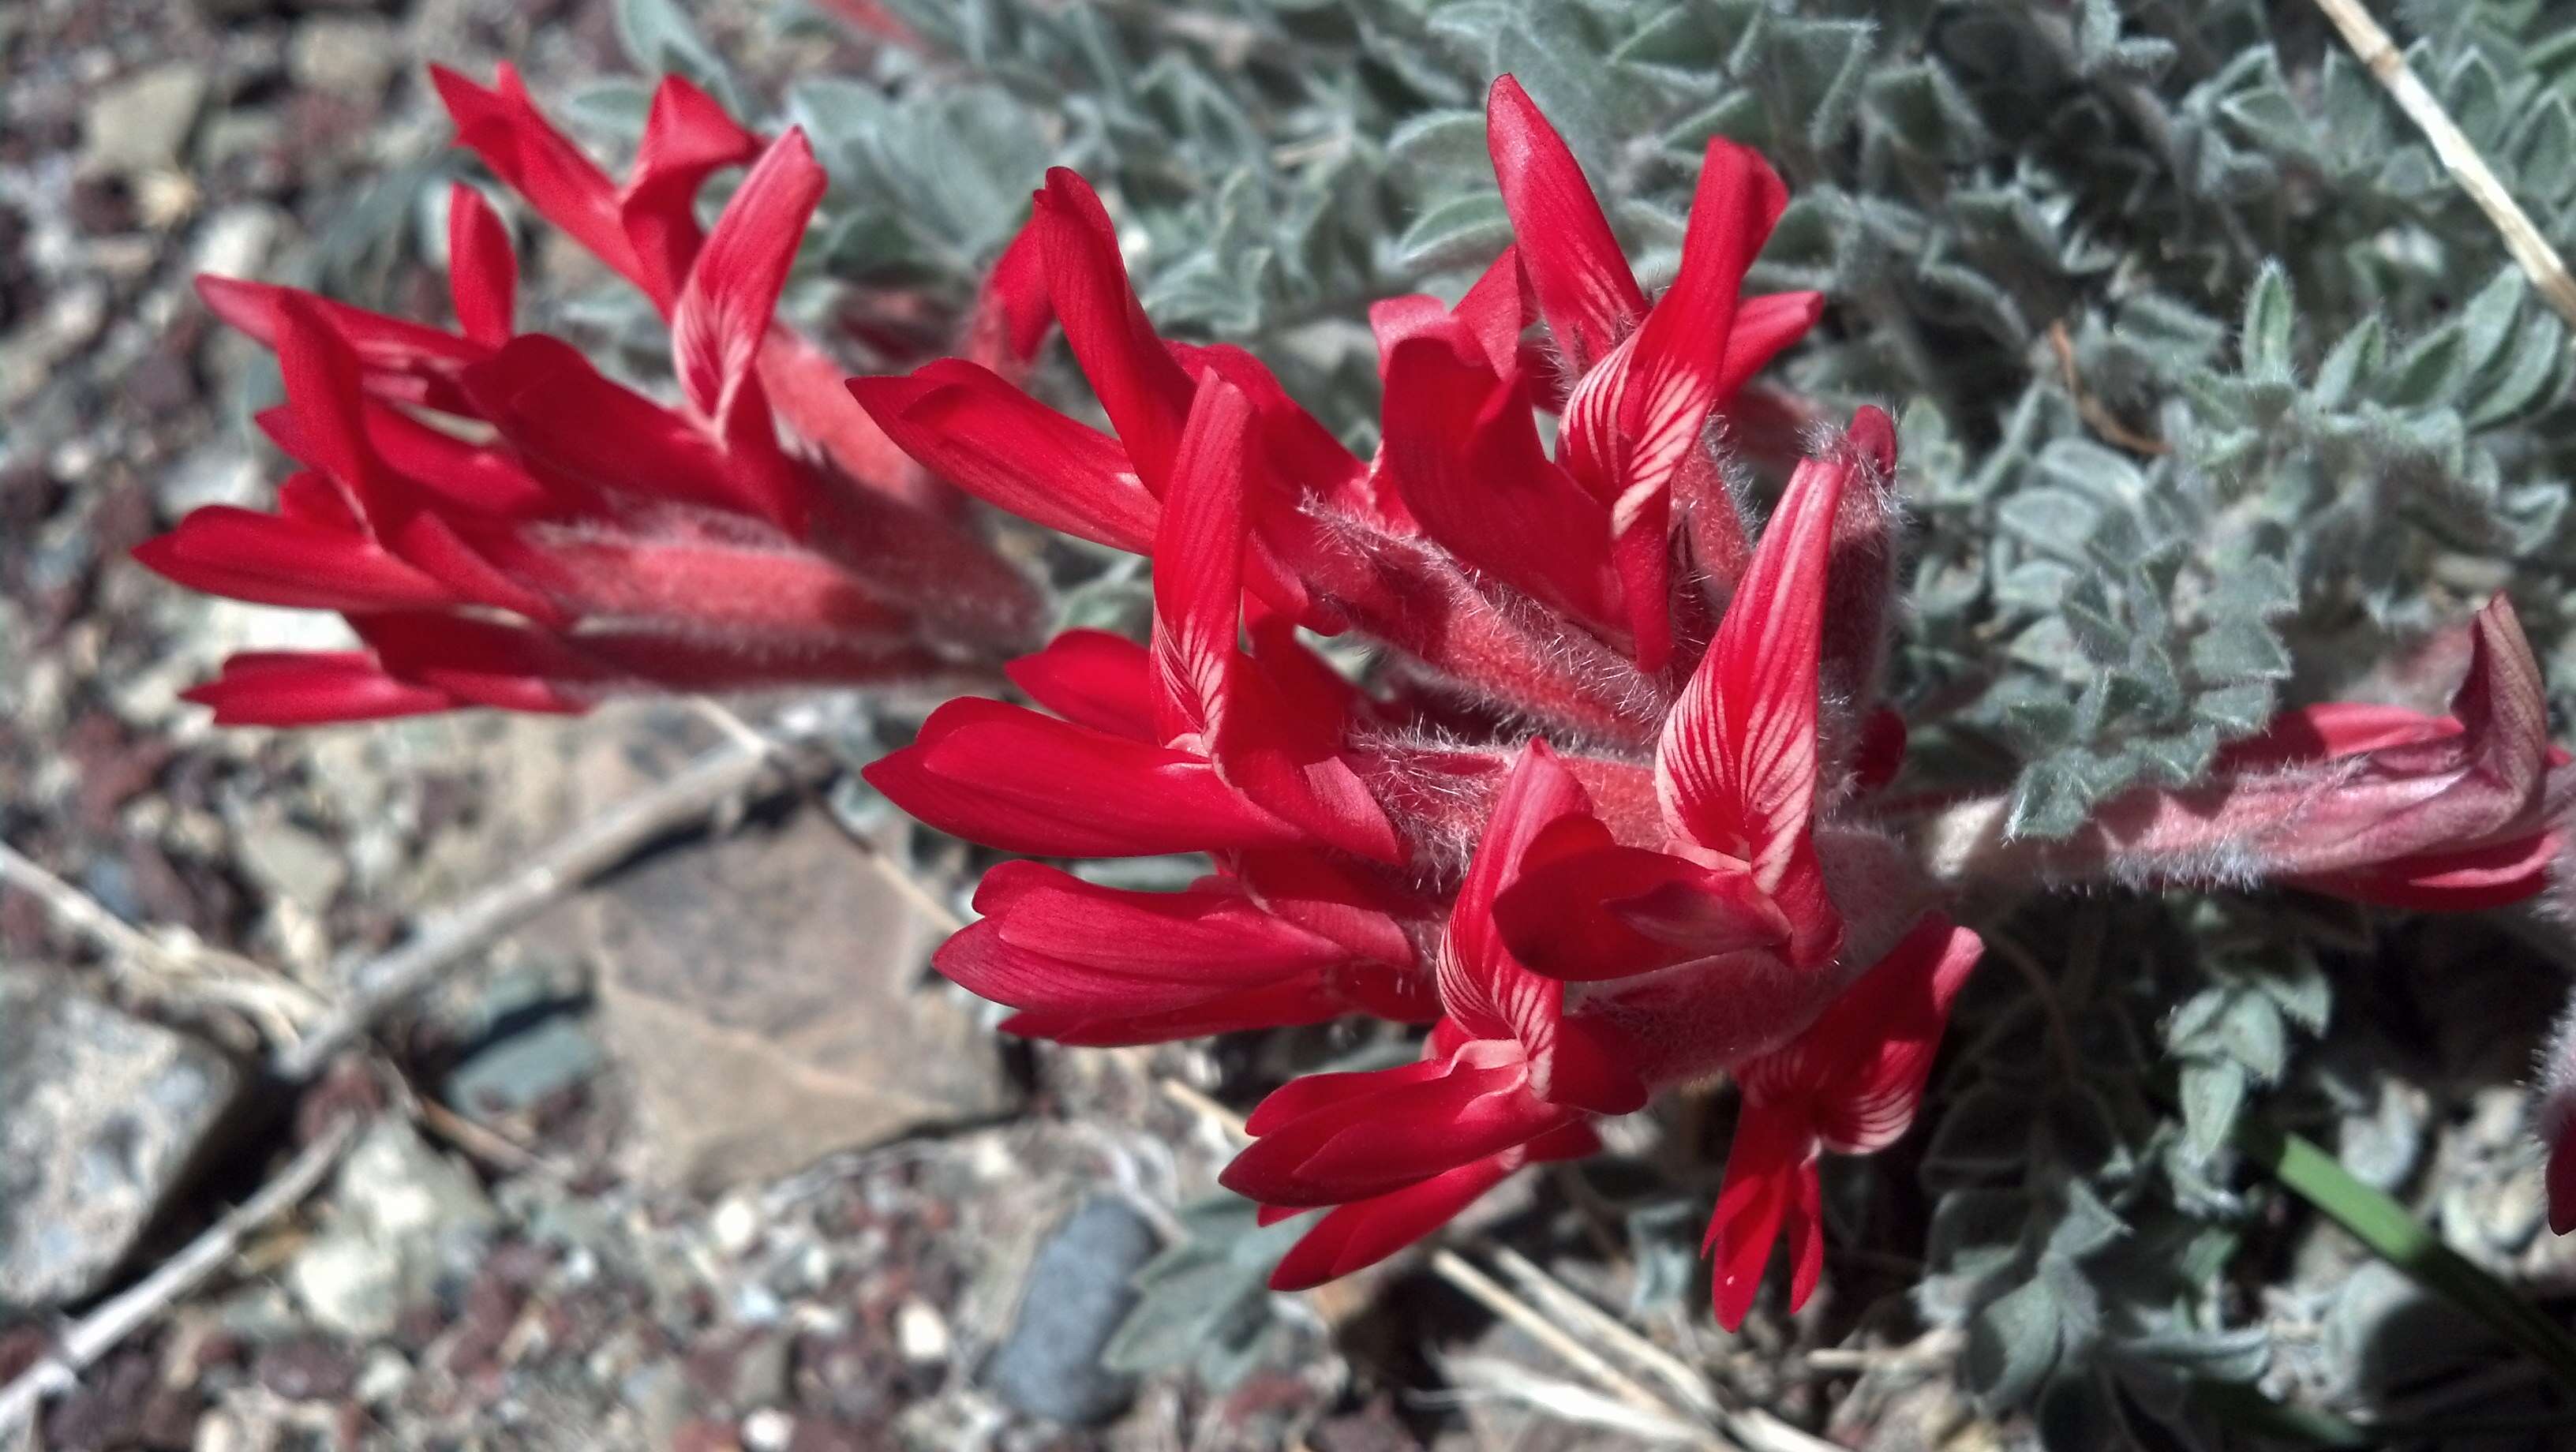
(2270, 318)
(1443, 148)
(2213, 1094)
(2084, 1226)
(1463, 231)
(658, 36)
(2013, 1344)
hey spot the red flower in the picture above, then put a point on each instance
(1849, 1084)
(589, 539)
(2378, 804)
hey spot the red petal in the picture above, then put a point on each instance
(1013, 311)
(1288, 1003)
(310, 688)
(549, 402)
(1362, 1234)
(2496, 875)
(484, 662)
(402, 359)
(1768, 1173)
(1584, 287)
(504, 127)
(1498, 307)
(1100, 680)
(1377, 1143)
(1860, 1067)
(687, 137)
(1179, 937)
(724, 309)
(482, 270)
(1011, 451)
(1587, 910)
(1465, 454)
(1011, 778)
(1145, 392)
(272, 559)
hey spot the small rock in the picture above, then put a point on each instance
(524, 1068)
(292, 862)
(921, 1333)
(236, 240)
(765, 992)
(349, 1283)
(735, 1225)
(386, 1375)
(141, 122)
(306, 1369)
(1077, 1293)
(768, 1430)
(402, 1214)
(347, 55)
(105, 1116)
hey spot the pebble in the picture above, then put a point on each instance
(1077, 1293)
(920, 1332)
(140, 123)
(768, 1430)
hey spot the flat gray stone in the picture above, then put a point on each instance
(102, 1115)
(1078, 1292)
(768, 996)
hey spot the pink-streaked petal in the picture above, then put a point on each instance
(1198, 567)
(1736, 768)
(1584, 288)
(724, 309)
(687, 137)
(1861, 1066)
(1636, 417)
(1383, 1142)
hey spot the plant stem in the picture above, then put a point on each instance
(2397, 1237)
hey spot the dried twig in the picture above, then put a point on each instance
(933, 908)
(2539, 261)
(390, 979)
(203, 973)
(1454, 1268)
(113, 1320)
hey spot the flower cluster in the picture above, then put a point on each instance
(1606, 816)
(1601, 821)
(505, 526)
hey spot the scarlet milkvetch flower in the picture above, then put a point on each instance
(1601, 815)
(505, 526)
(2376, 804)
